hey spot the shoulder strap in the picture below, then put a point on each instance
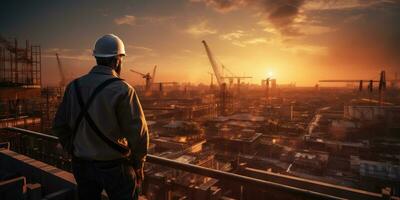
(84, 114)
(84, 107)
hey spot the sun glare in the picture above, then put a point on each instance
(270, 74)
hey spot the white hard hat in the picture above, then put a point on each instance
(109, 45)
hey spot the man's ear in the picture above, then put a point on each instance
(114, 63)
(118, 64)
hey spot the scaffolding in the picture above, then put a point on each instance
(50, 100)
(23, 102)
(19, 66)
(20, 81)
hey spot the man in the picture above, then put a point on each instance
(101, 123)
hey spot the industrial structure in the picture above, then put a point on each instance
(149, 79)
(226, 92)
(20, 82)
(23, 100)
(20, 66)
(381, 84)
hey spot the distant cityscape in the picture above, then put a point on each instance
(306, 142)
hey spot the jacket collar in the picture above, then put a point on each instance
(101, 69)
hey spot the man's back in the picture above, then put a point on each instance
(115, 110)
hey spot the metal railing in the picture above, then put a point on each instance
(221, 175)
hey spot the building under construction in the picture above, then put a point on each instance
(19, 66)
(20, 82)
(23, 100)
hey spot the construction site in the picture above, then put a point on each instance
(227, 140)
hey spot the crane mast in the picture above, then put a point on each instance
(154, 74)
(212, 82)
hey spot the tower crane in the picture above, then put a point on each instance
(61, 71)
(381, 81)
(381, 86)
(149, 78)
(217, 68)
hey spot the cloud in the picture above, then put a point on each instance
(200, 29)
(156, 19)
(242, 39)
(73, 54)
(280, 13)
(223, 5)
(136, 52)
(125, 20)
(310, 30)
(256, 41)
(139, 48)
(307, 49)
(139, 21)
(250, 41)
(341, 5)
(365, 33)
(233, 35)
(289, 16)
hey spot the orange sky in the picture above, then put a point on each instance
(295, 40)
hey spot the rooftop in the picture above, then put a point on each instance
(58, 183)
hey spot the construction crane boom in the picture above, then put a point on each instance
(60, 69)
(214, 64)
(137, 72)
(381, 87)
(382, 82)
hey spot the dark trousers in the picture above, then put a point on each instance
(117, 178)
